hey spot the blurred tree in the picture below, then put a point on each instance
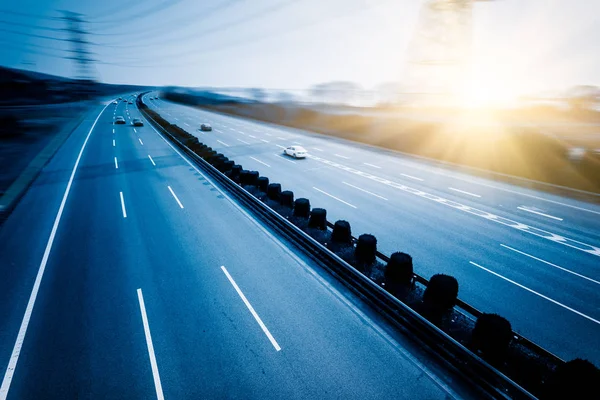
(583, 97)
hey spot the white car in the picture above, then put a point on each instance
(137, 122)
(205, 127)
(295, 151)
(119, 120)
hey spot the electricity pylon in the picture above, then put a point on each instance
(439, 54)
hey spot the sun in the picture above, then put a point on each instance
(487, 93)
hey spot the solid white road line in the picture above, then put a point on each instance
(539, 213)
(266, 141)
(412, 177)
(123, 205)
(14, 357)
(254, 314)
(563, 240)
(341, 156)
(463, 192)
(116, 163)
(536, 293)
(549, 263)
(174, 195)
(333, 197)
(260, 162)
(142, 143)
(223, 143)
(363, 190)
(317, 149)
(153, 364)
(151, 160)
(371, 165)
(114, 144)
(243, 141)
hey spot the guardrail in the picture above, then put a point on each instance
(453, 354)
(460, 304)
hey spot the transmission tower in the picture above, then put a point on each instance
(79, 50)
(439, 55)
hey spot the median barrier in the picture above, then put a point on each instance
(286, 198)
(454, 351)
(491, 338)
(576, 379)
(365, 252)
(253, 178)
(318, 219)
(263, 183)
(302, 208)
(439, 297)
(244, 175)
(273, 191)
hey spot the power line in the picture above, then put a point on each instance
(31, 35)
(178, 24)
(36, 52)
(37, 27)
(27, 15)
(226, 25)
(140, 15)
(253, 39)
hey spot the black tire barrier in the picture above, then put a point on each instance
(235, 170)
(244, 177)
(286, 198)
(273, 191)
(263, 183)
(253, 178)
(302, 208)
(318, 219)
(399, 270)
(342, 233)
(441, 294)
(575, 379)
(228, 166)
(491, 337)
(366, 250)
(192, 142)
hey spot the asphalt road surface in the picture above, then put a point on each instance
(124, 273)
(530, 256)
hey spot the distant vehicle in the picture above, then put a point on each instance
(119, 120)
(115, 102)
(295, 151)
(137, 122)
(120, 98)
(130, 102)
(205, 127)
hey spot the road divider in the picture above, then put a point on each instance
(448, 341)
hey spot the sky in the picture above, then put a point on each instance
(518, 46)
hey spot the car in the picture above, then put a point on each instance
(137, 122)
(205, 127)
(119, 120)
(115, 102)
(130, 102)
(120, 98)
(295, 151)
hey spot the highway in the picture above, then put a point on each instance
(125, 273)
(530, 256)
